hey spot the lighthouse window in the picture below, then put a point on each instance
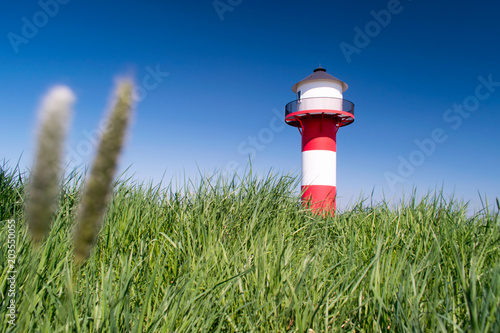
(299, 93)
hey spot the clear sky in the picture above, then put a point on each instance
(213, 78)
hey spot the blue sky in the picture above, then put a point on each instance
(223, 71)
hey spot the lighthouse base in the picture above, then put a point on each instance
(320, 198)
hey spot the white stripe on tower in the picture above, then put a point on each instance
(319, 167)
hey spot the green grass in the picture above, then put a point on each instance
(242, 255)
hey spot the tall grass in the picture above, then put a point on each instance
(11, 191)
(242, 255)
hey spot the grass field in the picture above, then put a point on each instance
(242, 255)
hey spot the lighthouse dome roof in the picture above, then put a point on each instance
(319, 74)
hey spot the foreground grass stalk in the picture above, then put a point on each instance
(98, 187)
(44, 180)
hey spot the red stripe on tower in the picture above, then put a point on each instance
(318, 112)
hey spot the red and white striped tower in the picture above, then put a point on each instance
(318, 112)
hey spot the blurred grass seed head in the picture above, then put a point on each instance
(54, 118)
(98, 187)
(44, 181)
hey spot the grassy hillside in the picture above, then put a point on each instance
(233, 255)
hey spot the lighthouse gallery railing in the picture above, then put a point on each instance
(319, 103)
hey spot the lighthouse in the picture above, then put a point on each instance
(318, 111)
